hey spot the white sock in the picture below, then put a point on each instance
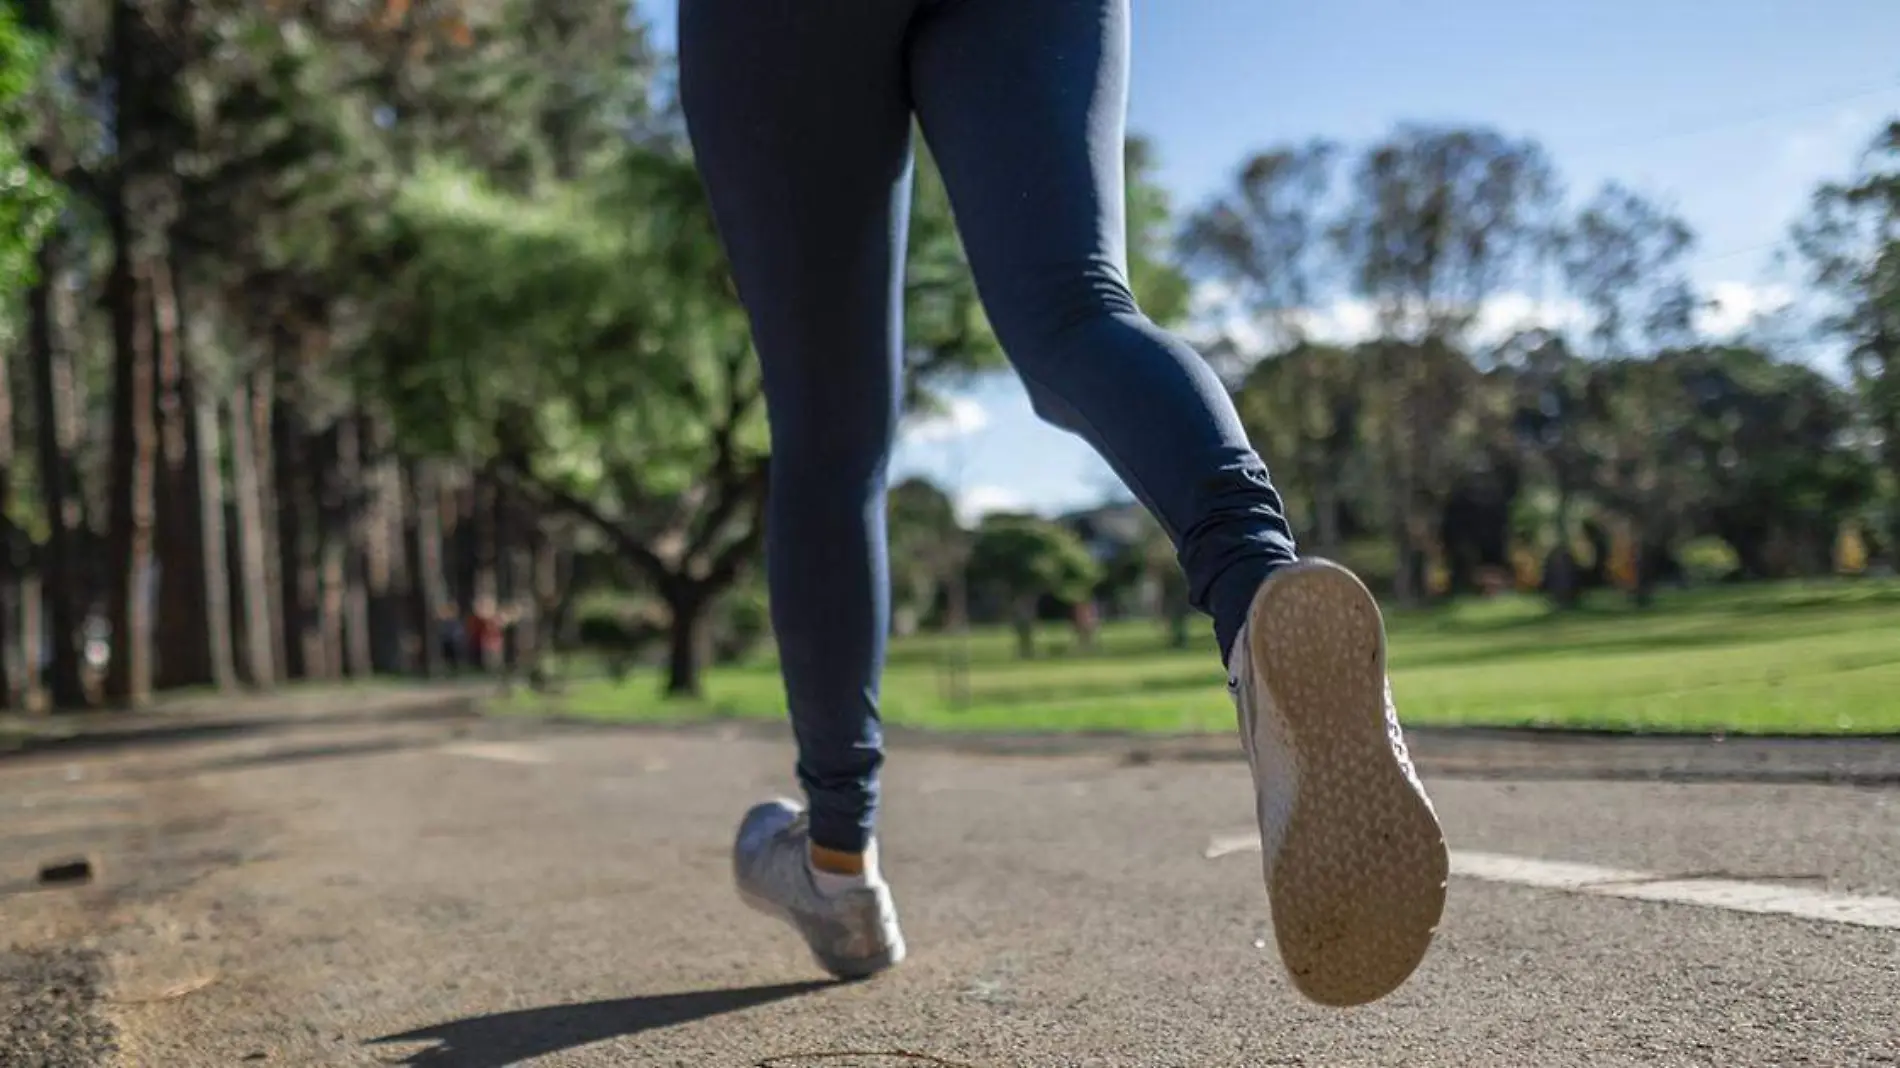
(831, 883)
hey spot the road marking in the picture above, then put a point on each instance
(1734, 895)
(1231, 843)
(497, 751)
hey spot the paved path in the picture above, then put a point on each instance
(474, 894)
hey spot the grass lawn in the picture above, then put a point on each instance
(1810, 658)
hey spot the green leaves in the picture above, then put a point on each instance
(29, 200)
(1024, 557)
(595, 312)
(1850, 243)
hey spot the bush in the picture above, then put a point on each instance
(1706, 561)
(1374, 560)
(620, 638)
(741, 622)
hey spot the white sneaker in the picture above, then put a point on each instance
(1355, 860)
(852, 932)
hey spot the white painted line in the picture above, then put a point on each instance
(501, 752)
(1731, 894)
(1735, 895)
(1232, 843)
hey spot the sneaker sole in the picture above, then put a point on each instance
(845, 970)
(1358, 884)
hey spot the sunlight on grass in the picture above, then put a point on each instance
(1806, 658)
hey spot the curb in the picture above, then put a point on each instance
(1471, 753)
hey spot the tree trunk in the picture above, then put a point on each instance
(1407, 585)
(1648, 557)
(12, 660)
(296, 538)
(216, 562)
(264, 436)
(422, 544)
(560, 623)
(1175, 605)
(184, 505)
(57, 430)
(385, 567)
(459, 567)
(1024, 617)
(352, 548)
(1326, 514)
(688, 637)
(1891, 449)
(332, 543)
(32, 638)
(507, 571)
(258, 664)
(13, 646)
(484, 591)
(540, 631)
(134, 459)
(515, 590)
(1560, 567)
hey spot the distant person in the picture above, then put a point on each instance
(451, 636)
(485, 635)
(800, 116)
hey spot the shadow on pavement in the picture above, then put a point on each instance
(506, 1038)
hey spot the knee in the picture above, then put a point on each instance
(832, 449)
(1037, 312)
(1050, 328)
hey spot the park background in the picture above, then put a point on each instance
(333, 332)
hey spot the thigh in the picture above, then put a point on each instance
(799, 115)
(1024, 106)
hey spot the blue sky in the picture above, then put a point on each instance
(1729, 112)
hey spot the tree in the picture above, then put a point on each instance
(1266, 242)
(1021, 559)
(927, 546)
(1622, 256)
(1850, 242)
(584, 348)
(1550, 398)
(28, 201)
(1304, 407)
(1442, 218)
(29, 198)
(1773, 444)
(1642, 422)
(1162, 571)
(1160, 287)
(947, 335)
(1265, 239)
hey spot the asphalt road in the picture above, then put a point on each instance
(479, 894)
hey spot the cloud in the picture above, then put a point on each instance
(1510, 313)
(978, 501)
(1732, 307)
(958, 417)
(1350, 320)
(1735, 306)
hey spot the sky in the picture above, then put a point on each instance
(1728, 112)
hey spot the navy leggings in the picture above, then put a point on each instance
(800, 113)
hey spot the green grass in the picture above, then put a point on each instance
(1802, 658)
